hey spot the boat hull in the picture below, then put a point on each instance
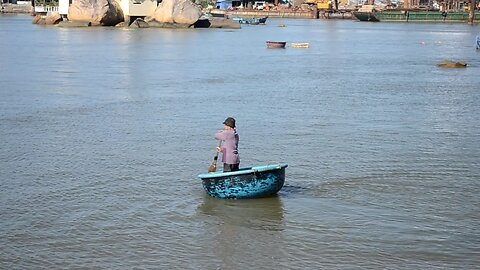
(254, 182)
(252, 21)
(276, 44)
(366, 16)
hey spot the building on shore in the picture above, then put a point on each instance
(14, 6)
(248, 4)
(442, 5)
(63, 7)
(226, 4)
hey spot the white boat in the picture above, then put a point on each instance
(300, 45)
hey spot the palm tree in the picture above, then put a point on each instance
(471, 15)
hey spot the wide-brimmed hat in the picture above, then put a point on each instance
(230, 121)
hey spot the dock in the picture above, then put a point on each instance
(260, 14)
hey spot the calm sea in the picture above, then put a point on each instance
(103, 132)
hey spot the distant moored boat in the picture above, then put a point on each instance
(253, 21)
(366, 16)
(276, 44)
(300, 45)
(367, 13)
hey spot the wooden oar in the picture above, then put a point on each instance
(213, 166)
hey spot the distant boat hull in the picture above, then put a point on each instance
(252, 21)
(366, 16)
(263, 20)
(254, 182)
(300, 45)
(276, 44)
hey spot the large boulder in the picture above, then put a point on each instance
(50, 19)
(164, 11)
(38, 20)
(74, 24)
(177, 11)
(53, 18)
(139, 23)
(98, 12)
(155, 24)
(217, 23)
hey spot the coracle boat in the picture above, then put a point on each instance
(253, 182)
(276, 44)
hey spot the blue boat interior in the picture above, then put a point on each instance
(242, 171)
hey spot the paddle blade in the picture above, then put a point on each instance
(212, 168)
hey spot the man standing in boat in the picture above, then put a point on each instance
(229, 148)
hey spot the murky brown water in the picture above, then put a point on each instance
(103, 132)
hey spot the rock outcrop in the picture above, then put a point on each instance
(38, 20)
(177, 11)
(139, 23)
(97, 12)
(451, 64)
(68, 24)
(218, 23)
(50, 19)
(53, 18)
(155, 24)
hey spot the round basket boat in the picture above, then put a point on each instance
(253, 182)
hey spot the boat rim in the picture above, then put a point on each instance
(254, 169)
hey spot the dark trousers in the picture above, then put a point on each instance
(230, 167)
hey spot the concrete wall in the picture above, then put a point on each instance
(139, 8)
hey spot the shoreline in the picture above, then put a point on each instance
(384, 16)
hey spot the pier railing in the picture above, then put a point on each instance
(46, 9)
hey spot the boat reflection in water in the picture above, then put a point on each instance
(258, 214)
(238, 233)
